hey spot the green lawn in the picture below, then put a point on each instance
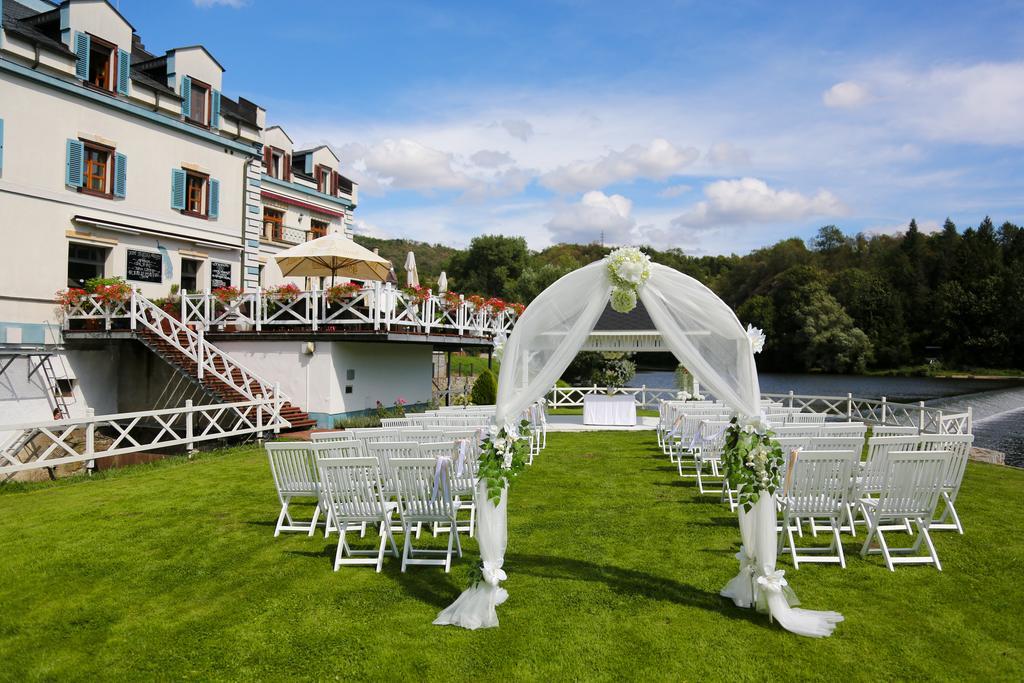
(614, 569)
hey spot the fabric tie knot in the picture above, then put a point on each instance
(441, 477)
(493, 573)
(773, 581)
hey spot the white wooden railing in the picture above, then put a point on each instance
(378, 306)
(74, 440)
(139, 313)
(871, 411)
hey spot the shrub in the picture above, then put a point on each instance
(485, 389)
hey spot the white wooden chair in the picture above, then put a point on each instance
(425, 497)
(709, 455)
(395, 422)
(870, 480)
(817, 489)
(959, 448)
(295, 476)
(806, 418)
(797, 430)
(894, 430)
(844, 429)
(424, 436)
(352, 494)
(463, 478)
(837, 443)
(913, 483)
(337, 435)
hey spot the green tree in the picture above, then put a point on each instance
(485, 389)
(490, 266)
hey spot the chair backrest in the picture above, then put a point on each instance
(395, 422)
(293, 467)
(807, 418)
(837, 443)
(844, 429)
(959, 448)
(893, 430)
(879, 448)
(912, 482)
(820, 481)
(339, 435)
(424, 436)
(338, 449)
(808, 430)
(384, 434)
(712, 436)
(418, 497)
(352, 488)
(788, 443)
(436, 449)
(386, 451)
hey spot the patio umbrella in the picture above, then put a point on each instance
(442, 283)
(333, 254)
(412, 276)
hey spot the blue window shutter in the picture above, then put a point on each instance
(309, 164)
(75, 161)
(214, 208)
(124, 71)
(1, 144)
(120, 174)
(83, 44)
(186, 96)
(177, 189)
(215, 109)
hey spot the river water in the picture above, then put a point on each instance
(998, 405)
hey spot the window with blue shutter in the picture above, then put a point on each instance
(75, 160)
(124, 71)
(1, 145)
(215, 109)
(186, 96)
(178, 189)
(120, 175)
(83, 44)
(214, 208)
(309, 164)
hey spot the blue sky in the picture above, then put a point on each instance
(714, 127)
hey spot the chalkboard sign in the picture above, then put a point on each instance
(144, 266)
(220, 274)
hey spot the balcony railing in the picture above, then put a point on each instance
(378, 307)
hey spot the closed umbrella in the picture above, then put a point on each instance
(412, 277)
(442, 283)
(333, 254)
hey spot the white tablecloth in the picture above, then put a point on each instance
(609, 410)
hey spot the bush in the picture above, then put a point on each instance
(357, 422)
(485, 389)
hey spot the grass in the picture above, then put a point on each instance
(614, 564)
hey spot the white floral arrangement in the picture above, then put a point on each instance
(503, 455)
(757, 338)
(752, 459)
(628, 269)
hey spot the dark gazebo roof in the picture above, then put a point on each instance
(636, 320)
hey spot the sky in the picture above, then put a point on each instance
(714, 127)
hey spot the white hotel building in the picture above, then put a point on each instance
(115, 161)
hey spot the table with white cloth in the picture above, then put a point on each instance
(611, 411)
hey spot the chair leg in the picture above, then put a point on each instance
(405, 551)
(341, 546)
(922, 528)
(472, 520)
(448, 556)
(838, 542)
(316, 516)
(885, 549)
(380, 551)
(282, 517)
(792, 546)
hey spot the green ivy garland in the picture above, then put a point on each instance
(753, 460)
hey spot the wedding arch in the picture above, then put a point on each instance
(705, 336)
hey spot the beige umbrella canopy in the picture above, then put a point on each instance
(412, 275)
(333, 254)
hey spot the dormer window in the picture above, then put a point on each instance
(101, 64)
(324, 176)
(276, 161)
(199, 94)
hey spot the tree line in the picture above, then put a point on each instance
(840, 303)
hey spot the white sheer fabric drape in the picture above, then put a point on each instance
(706, 337)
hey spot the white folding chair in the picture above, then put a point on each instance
(709, 454)
(463, 455)
(425, 497)
(959, 448)
(893, 430)
(806, 418)
(817, 488)
(913, 483)
(837, 443)
(295, 476)
(870, 480)
(844, 429)
(352, 494)
(338, 435)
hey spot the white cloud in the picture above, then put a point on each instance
(489, 158)
(727, 154)
(657, 161)
(404, 164)
(594, 216)
(518, 128)
(845, 95)
(674, 191)
(751, 200)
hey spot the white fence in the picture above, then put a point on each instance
(378, 306)
(62, 442)
(849, 407)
